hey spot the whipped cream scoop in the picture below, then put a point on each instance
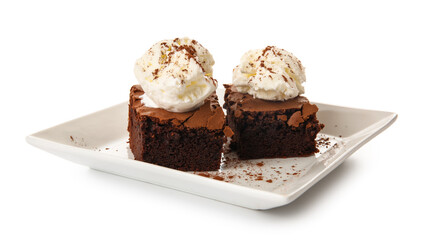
(271, 74)
(176, 75)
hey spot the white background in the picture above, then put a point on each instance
(63, 60)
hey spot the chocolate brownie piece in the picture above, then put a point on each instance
(271, 129)
(190, 141)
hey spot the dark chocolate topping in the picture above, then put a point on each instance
(209, 115)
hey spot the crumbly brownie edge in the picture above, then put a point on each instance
(262, 134)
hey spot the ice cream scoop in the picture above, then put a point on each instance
(271, 74)
(176, 75)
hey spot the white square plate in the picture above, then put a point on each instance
(99, 141)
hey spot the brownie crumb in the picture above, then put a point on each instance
(219, 178)
(204, 174)
(323, 142)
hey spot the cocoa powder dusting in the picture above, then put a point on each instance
(155, 73)
(270, 70)
(251, 171)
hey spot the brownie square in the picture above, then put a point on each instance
(271, 129)
(190, 141)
